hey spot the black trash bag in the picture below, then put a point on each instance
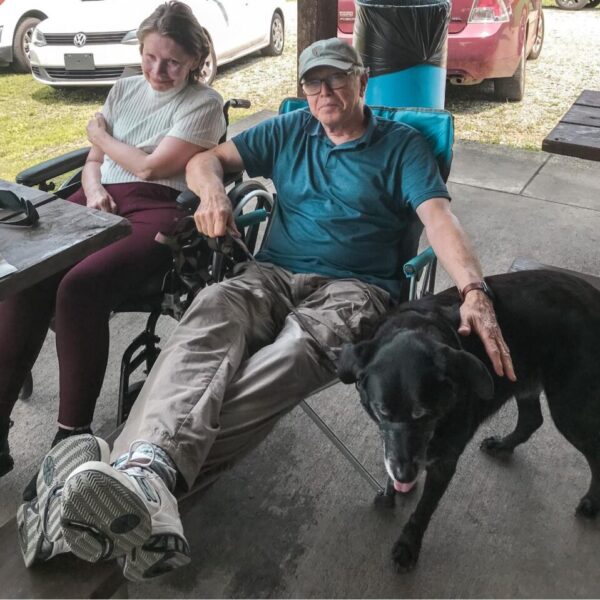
(394, 35)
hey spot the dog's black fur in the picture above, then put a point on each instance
(429, 389)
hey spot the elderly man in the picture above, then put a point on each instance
(240, 358)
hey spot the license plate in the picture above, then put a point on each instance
(79, 62)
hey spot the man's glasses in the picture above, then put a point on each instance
(335, 81)
(9, 201)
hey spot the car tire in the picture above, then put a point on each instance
(277, 39)
(512, 88)
(536, 49)
(571, 4)
(209, 70)
(592, 3)
(21, 41)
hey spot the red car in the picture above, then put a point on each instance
(487, 39)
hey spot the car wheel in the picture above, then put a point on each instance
(277, 41)
(512, 88)
(209, 70)
(21, 42)
(571, 4)
(536, 49)
(592, 3)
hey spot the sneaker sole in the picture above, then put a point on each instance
(57, 465)
(102, 518)
(37, 525)
(30, 533)
(159, 555)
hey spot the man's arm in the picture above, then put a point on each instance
(456, 255)
(204, 174)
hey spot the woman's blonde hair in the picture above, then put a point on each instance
(177, 21)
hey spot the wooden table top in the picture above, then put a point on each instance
(578, 132)
(66, 233)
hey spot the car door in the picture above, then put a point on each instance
(224, 21)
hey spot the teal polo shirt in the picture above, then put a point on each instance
(341, 210)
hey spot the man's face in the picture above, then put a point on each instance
(336, 107)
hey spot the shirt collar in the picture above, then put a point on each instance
(313, 127)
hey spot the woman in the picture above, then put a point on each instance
(149, 127)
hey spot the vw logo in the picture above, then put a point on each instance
(79, 39)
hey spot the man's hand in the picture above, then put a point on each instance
(214, 216)
(96, 128)
(477, 313)
(100, 199)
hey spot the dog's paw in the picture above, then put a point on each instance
(588, 508)
(495, 446)
(405, 556)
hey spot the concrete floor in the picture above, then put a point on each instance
(294, 520)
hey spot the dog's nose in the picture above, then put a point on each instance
(405, 471)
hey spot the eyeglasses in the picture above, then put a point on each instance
(11, 202)
(335, 81)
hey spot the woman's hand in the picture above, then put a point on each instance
(96, 129)
(100, 199)
(477, 314)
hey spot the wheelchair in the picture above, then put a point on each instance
(196, 264)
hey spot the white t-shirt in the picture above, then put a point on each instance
(140, 116)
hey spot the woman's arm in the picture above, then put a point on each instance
(95, 193)
(168, 158)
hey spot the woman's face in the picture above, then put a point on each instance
(165, 64)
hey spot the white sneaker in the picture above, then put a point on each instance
(109, 513)
(40, 534)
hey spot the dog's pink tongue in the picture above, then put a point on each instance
(404, 488)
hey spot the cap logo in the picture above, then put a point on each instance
(316, 51)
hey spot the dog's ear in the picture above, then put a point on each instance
(469, 369)
(353, 358)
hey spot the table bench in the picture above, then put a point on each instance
(578, 132)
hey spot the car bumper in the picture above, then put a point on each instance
(110, 62)
(483, 51)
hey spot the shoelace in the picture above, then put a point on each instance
(129, 460)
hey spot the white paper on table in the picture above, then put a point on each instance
(5, 267)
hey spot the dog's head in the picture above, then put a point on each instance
(407, 383)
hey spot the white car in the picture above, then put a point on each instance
(95, 43)
(18, 19)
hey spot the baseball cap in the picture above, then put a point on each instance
(328, 53)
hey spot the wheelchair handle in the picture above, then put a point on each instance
(252, 218)
(418, 263)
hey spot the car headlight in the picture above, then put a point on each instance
(39, 39)
(130, 37)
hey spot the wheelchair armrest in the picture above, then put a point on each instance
(53, 168)
(188, 200)
(415, 265)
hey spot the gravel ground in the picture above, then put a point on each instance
(565, 67)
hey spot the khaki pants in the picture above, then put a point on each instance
(238, 361)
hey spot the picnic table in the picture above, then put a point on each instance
(578, 132)
(65, 234)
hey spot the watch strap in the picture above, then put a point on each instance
(475, 285)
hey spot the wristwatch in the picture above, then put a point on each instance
(476, 285)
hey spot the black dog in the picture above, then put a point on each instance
(429, 389)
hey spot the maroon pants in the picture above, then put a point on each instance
(81, 299)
